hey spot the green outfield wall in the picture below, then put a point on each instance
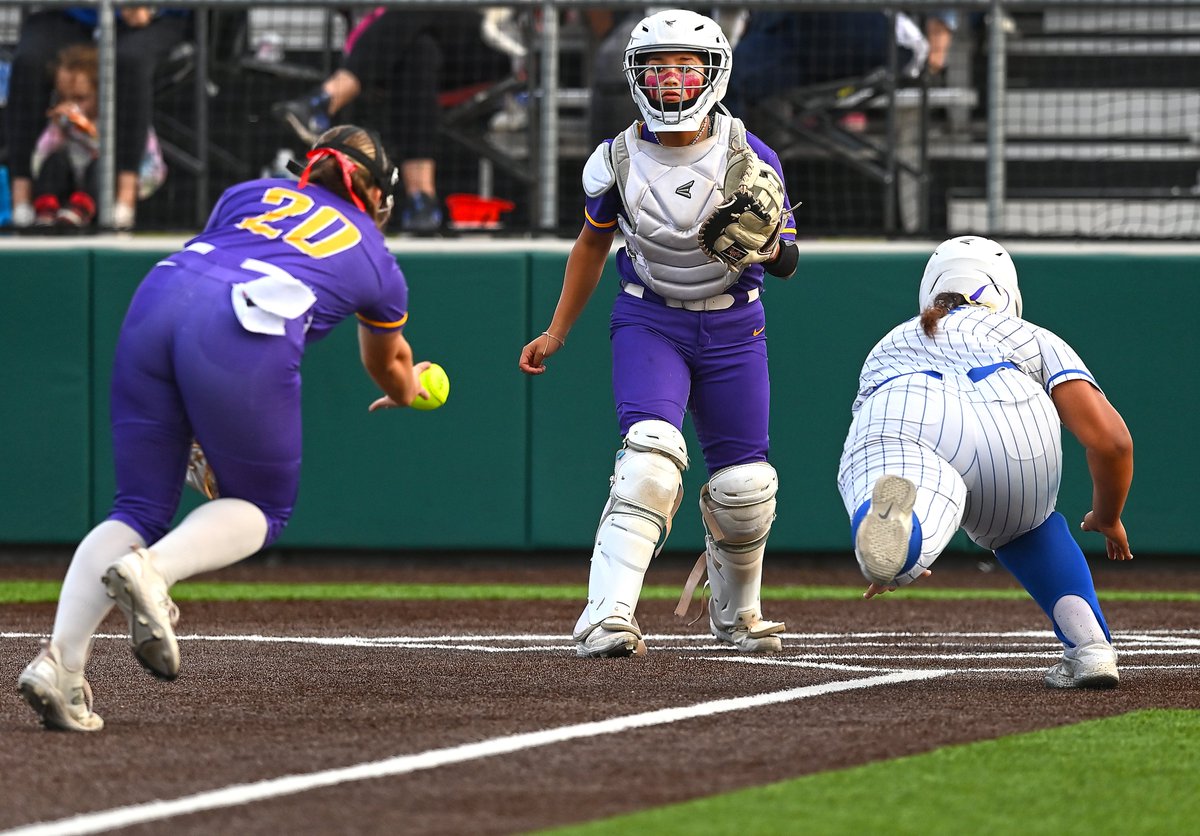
(518, 463)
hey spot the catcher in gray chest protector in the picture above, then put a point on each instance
(704, 213)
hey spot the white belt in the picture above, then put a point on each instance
(712, 303)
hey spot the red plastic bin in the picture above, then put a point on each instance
(472, 211)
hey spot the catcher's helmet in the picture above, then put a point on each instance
(978, 268)
(677, 30)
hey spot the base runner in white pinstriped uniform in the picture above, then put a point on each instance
(956, 424)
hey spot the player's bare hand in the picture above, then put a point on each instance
(879, 589)
(535, 352)
(1116, 541)
(383, 403)
(420, 391)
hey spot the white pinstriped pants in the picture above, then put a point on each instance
(986, 455)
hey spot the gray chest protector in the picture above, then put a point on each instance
(667, 193)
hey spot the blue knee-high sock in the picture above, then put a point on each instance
(1049, 564)
(914, 539)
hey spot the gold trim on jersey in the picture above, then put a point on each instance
(398, 323)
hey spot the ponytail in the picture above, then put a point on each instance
(942, 304)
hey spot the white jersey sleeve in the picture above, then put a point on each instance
(1055, 362)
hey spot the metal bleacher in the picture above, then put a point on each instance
(1098, 126)
(1102, 128)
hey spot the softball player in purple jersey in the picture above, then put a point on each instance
(956, 424)
(210, 349)
(687, 334)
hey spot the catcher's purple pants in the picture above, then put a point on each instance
(713, 363)
(185, 367)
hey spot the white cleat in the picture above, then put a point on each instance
(141, 593)
(882, 540)
(613, 637)
(1086, 666)
(62, 698)
(751, 633)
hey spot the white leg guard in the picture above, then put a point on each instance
(738, 506)
(647, 486)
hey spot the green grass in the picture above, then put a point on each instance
(1133, 774)
(41, 591)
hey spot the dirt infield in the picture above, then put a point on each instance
(269, 690)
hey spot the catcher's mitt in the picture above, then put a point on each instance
(743, 229)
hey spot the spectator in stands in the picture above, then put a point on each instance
(782, 50)
(145, 35)
(64, 161)
(403, 55)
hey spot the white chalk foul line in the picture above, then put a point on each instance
(239, 794)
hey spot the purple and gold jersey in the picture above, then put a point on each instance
(320, 239)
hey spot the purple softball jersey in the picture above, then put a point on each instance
(186, 367)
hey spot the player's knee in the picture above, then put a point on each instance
(277, 520)
(738, 507)
(150, 527)
(649, 471)
(658, 437)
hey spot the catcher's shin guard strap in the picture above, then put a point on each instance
(689, 586)
(1050, 565)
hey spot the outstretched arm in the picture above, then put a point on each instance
(388, 359)
(584, 267)
(1102, 432)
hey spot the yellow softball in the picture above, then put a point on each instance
(437, 384)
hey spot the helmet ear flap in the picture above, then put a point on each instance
(387, 175)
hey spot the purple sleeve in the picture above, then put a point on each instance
(767, 155)
(390, 311)
(600, 213)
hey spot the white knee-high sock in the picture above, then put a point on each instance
(1078, 623)
(215, 535)
(84, 602)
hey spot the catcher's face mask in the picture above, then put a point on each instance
(677, 64)
(978, 268)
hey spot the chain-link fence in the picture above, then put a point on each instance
(1020, 119)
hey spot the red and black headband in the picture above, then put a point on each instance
(381, 170)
